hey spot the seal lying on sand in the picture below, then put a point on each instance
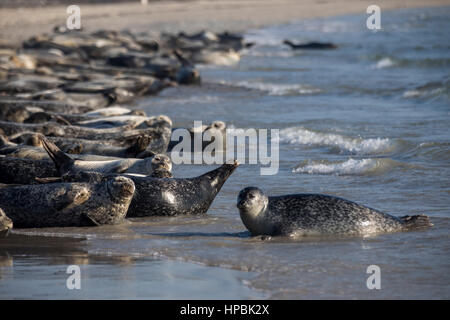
(24, 171)
(137, 148)
(6, 224)
(68, 204)
(65, 164)
(159, 133)
(165, 196)
(316, 214)
(14, 105)
(176, 196)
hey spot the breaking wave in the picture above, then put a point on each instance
(275, 89)
(343, 144)
(349, 167)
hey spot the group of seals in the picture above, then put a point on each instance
(70, 152)
(72, 156)
(68, 204)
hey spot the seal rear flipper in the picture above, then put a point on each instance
(62, 161)
(416, 222)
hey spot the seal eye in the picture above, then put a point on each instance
(251, 195)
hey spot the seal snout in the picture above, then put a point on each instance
(121, 188)
(161, 161)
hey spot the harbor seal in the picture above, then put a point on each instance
(138, 147)
(24, 171)
(158, 132)
(177, 196)
(68, 204)
(66, 164)
(166, 196)
(310, 45)
(6, 224)
(316, 214)
(161, 166)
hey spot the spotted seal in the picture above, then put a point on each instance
(316, 214)
(68, 204)
(166, 196)
(24, 171)
(310, 45)
(158, 132)
(66, 164)
(137, 147)
(178, 196)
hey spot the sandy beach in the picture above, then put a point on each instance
(17, 24)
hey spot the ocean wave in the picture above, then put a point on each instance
(274, 89)
(436, 151)
(385, 63)
(389, 62)
(270, 54)
(302, 136)
(349, 167)
(429, 90)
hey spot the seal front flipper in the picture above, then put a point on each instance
(63, 162)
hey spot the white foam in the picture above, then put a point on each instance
(418, 93)
(302, 136)
(349, 167)
(385, 63)
(274, 89)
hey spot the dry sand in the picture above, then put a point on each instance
(17, 24)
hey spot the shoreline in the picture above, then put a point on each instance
(18, 24)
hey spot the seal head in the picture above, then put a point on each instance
(252, 204)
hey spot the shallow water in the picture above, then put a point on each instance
(368, 122)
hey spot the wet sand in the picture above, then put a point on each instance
(18, 24)
(36, 268)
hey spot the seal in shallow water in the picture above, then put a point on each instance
(316, 214)
(68, 204)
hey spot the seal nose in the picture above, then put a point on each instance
(125, 186)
